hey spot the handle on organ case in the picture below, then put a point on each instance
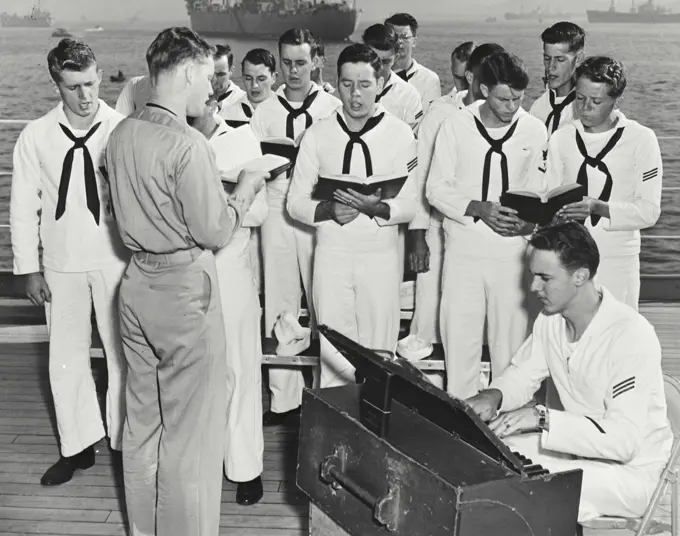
(385, 508)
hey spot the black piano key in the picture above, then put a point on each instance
(531, 469)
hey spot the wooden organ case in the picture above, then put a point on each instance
(395, 455)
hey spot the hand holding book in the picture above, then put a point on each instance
(541, 210)
(581, 210)
(502, 220)
(369, 204)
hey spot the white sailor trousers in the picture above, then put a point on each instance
(244, 441)
(69, 322)
(476, 291)
(177, 401)
(425, 323)
(621, 276)
(287, 253)
(608, 489)
(356, 292)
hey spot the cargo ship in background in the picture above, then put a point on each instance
(328, 20)
(39, 18)
(647, 13)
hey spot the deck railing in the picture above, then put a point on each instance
(658, 285)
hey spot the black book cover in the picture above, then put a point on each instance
(531, 208)
(325, 187)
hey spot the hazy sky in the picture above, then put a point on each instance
(163, 10)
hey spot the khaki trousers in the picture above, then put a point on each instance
(173, 443)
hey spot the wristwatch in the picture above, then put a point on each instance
(542, 412)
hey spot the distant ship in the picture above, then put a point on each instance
(39, 18)
(331, 21)
(647, 13)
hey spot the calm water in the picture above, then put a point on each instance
(651, 53)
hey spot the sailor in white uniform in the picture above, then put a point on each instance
(406, 67)
(224, 90)
(317, 72)
(287, 245)
(563, 52)
(605, 361)
(60, 199)
(481, 152)
(135, 95)
(425, 237)
(619, 162)
(258, 71)
(356, 270)
(244, 443)
(399, 98)
(459, 59)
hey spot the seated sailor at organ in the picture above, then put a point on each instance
(287, 245)
(618, 160)
(425, 237)
(605, 361)
(225, 92)
(480, 152)
(244, 442)
(59, 198)
(356, 259)
(258, 71)
(563, 52)
(397, 97)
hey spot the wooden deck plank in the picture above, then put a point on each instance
(58, 528)
(52, 514)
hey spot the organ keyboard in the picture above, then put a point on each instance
(395, 454)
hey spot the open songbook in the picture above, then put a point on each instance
(239, 149)
(281, 147)
(389, 186)
(534, 208)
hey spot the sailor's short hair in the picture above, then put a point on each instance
(224, 50)
(359, 53)
(565, 32)
(604, 70)
(480, 53)
(462, 52)
(404, 19)
(381, 37)
(260, 56)
(572, 243)
(69, 55)
(173, 47)
(504, 68)
(300, 36)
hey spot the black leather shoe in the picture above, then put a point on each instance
(62, 471)
(275, 419)
(250, 492)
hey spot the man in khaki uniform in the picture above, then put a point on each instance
(172, 213)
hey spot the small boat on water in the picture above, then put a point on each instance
(95, 29)
(61, 32)
(118, 78)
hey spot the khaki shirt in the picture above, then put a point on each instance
(165, 187)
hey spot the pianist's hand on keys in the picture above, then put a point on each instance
(486, 403)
